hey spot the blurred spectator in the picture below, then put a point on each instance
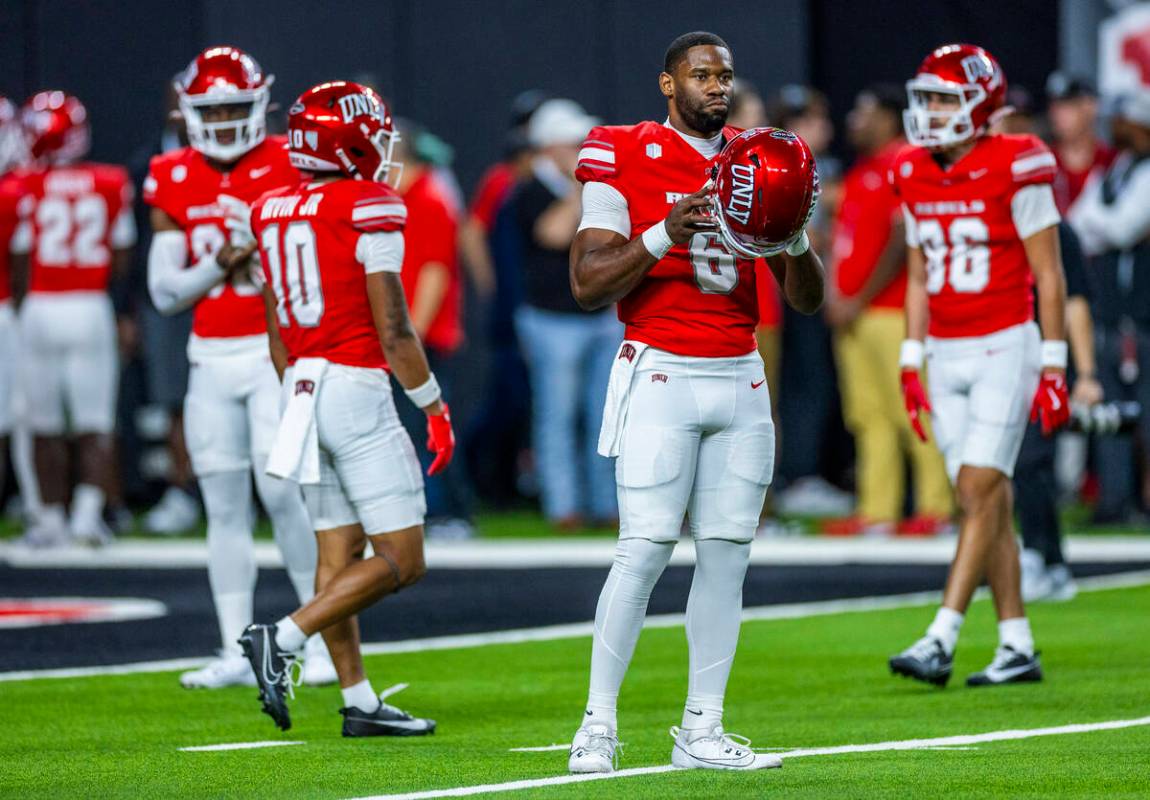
(747, 107)
(1073, 113)
(569, 351)
(1112, 218)
(865, 306)
(431, 282)
(496, 444)
(164, 344)
(809, 404)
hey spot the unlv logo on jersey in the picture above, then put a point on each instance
(305, 387)
(742, 192)
(356, 105)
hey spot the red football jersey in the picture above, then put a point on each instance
(72, 213)
(978, 276)
(182, 184)
(863, 227)
(429, 236)
(9, 199)
(493, 189)
(699, 300)
(309, 238)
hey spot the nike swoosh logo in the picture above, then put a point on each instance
(756, 386)
(259, 173)
(978, 173)
(587, 712)
(413, 724)
(693, 711)
(1006, 674)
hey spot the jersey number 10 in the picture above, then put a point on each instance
(295, 273)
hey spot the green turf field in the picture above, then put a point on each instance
(818, 681)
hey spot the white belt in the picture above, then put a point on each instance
(618, 394)
(295, 452)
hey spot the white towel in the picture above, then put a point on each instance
(295, 452)
(618, 394)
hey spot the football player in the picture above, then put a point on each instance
(688, 415)
(982, 233)
(332, 250)
(13, 153)
(232, 406)
(75, 229)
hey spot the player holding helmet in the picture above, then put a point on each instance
(982, 230)
(332, 248)
(232, 406)
(76, 229)
(688, 414)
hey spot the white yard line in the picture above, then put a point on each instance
(214, 748)
(545, 749)
(574, 630)
(909, 744)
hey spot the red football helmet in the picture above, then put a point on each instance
(766, 188)
(56, 124)
(222, 76)
(13, 143)
(971, 76)
(342, 126)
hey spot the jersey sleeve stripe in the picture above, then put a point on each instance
(1024, 166)
(596, 155)
(395, 211)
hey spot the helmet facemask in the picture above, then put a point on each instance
(247, 131)
(941, 128)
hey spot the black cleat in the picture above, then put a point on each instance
(926, 660)
(1008, 666)
(387, 720)
(272, 668)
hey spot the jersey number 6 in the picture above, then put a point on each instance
(715, 269)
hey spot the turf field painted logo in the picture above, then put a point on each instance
(33, 612)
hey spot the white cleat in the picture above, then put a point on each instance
(177, 512)
(91, 533)
(45, 536)
(227, 670)
(1035, 579)
(711, 748)
(317, 667)
(1062, 584)
(594, 750)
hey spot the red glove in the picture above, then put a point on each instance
(1052, 402)
(440, 440)
(914, 396)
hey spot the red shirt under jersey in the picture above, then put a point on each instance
(309, 236)
(429, 236)
(863, 227)
(978, 277)
(698, 300)
(182, 184)
(72, 213)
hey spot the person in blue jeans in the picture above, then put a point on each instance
(569, 352)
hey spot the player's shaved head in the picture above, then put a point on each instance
(678, 49)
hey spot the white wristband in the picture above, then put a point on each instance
(1054, 354)
(799, 245)
(911, 354)
(425, 395)
(656, 240)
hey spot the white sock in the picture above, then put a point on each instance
(361, 696)
(290, 637)
(1015, 634)
(619, 619)
(702, 711)
(233, 613)
(947, 623)
(87, 505)
(52, 515)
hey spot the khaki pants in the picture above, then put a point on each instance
(867, 356)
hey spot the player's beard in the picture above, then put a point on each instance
(700, 118)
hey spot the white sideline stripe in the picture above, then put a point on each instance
(549, 633)
(547, 749)
(574, 552)
(908, 744)
(212, 748)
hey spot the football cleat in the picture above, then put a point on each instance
(272, 668)
(595, 748)
(387, 720)
(1035, 580)
(1062, 584)
(227, 670)
(1008, 666)
(91, 533)
(926, 660)
(317, 667)
(712, 748)
(177, 512)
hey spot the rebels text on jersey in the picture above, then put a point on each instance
(185, 186)
(970, 221)
(698, 300)
(71, 219)
(316, 247)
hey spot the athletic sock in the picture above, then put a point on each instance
(1015, 634)
(945, 628)
(52, 515)
(234, 613)
(600, 710)
(702, 711)
(87, 506)
(361, 696)
(290, 637)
